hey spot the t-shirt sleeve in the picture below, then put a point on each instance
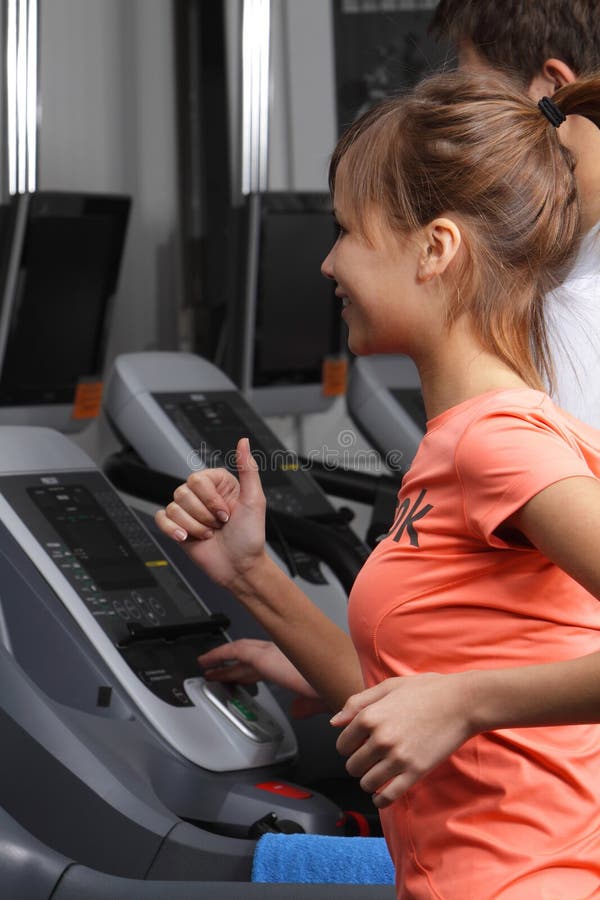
(503, 460)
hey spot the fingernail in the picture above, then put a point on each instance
(222, 516)
(333, 719)
(180, 534)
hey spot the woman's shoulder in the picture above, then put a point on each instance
(524, 427)
(510, 402)
(537, 409)
(508, 430)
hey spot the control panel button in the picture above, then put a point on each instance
(284, 789)
(238, 706)
(243, 710)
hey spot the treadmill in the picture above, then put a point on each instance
(123, 770)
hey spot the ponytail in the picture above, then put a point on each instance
(580, 98)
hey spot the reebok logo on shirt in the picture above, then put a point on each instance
(405, 517)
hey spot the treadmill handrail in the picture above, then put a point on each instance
(351, 484)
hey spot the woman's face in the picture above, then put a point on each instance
(376, 274)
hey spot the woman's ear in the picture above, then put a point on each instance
(441, 242)
(554, 74)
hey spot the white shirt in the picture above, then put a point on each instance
(573, 316)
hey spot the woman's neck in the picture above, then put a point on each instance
(460, 370)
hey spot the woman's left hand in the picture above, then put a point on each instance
(400, 729)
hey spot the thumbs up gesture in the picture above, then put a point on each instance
(220, 520)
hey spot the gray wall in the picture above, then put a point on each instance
(302, 126)
(107, 123)
(303, 116)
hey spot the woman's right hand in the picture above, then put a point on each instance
(220, 520)
(248, 660)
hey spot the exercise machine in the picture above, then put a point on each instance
(120, 764)
(180, 413)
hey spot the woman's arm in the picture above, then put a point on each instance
(320, 650)
(563, 522)
(220, 523)
(402, 728)
(249, 660)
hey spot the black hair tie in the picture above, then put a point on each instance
(554, 115)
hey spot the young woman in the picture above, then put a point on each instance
(475, 624)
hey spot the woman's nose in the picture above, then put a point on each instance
(327, 266)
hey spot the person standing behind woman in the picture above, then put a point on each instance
(475, 623)
(544, 45)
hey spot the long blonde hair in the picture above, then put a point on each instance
(476, 147)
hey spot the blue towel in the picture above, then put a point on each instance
(320, 859)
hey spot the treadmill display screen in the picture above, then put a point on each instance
(212, 422)
(94, 541)
(221, 428)
(118, 572)
(65, 261)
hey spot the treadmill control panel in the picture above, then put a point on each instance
(212, 422)
(120, 574)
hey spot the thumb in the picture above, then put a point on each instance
(342, 718)
(355, 704)
(250, 486)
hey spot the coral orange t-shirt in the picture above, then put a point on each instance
(513, 814)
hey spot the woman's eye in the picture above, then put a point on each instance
(341, 231)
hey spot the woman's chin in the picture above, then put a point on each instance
(357, 344)
(365, 345)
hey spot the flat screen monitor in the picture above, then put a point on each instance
(298, 320)
(60, 259)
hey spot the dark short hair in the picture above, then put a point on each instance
(518, 36)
